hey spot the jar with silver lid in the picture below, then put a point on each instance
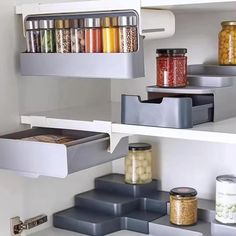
(32, 36)
(128, 41)
(226, 199)
(47, 36)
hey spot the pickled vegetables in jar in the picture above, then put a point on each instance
(138, 164)
(227, 43)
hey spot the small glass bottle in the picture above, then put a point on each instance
(63, 39)
(47, 36)
(171, 68)
(93, 35)
(110, 35)
(77, 35)
(138, 164)
(227, 43)
(183, 206)
(32, 36)
(128, 41)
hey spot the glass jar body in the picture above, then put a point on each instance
(63, 41)
(128, 39)
(47, 38)
(171, 70)
(77, 40)
(110, 38)
(33, 41)
(227, 45)
(138, 167)
(93, 40)
(183, 210)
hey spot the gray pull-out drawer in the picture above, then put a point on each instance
(58, 160)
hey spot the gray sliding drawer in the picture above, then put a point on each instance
(58, 160)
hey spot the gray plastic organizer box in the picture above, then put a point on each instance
(114, 205)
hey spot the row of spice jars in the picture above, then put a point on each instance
(88, 35)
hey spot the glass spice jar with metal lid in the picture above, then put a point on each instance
(93, 35)
(183, 206)
(138, 164)
(47, 36)
(63, 39)
(128, 36)
(227, 43)
(110, 34)
(226, 199)
(171, 67)
(32, 36)
(77, 35)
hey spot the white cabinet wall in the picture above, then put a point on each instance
(176, 162)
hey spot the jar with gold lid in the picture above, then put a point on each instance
(183, 206)
(227, 43)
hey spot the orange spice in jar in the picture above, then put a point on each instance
(93, 35)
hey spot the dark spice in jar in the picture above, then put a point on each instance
(171, 67)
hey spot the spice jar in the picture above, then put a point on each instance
(138, 164)
(128, 36)
(227, 43)
(171, 67)
(110, 35)
(77, 35)
(47, 36)
(93, 35)
(183, 206)
(226, 199)
(32, 36)
(63, 39)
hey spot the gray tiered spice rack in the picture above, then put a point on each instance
(114, 205)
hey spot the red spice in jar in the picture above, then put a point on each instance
(171, 67)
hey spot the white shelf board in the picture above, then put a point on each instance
(190, 5)
(58, 232)
(106, 118)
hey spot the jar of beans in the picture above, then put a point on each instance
(183, 206)
(227, 43)
(171, 68)
(138, 164)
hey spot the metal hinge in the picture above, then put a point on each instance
(18, 226)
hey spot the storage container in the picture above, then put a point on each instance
(128, 34)
(138, 164)
(32, 36)
(227, 43)
(110, 34)
(183, 206)
(93, 35)
(226, 199)
(47, 36)
(171, 66)
(63, 39)
(77, 35)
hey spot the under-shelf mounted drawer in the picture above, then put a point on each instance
(23, 152)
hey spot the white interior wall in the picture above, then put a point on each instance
(19, 195)
(178, 162)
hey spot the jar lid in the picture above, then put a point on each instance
(132, 20)
(30, 25)
(226, 178)
(114, 21)
(183, 192)
(43, 24)
(51, 24)
(74, 23)
(92, 22)
(139, 146)
(106, 22)
(225, 23)
(172, 51)
(66, 24)
(123, 20)
(59, 24)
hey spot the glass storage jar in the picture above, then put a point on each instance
(77, 35)
(226, 199)
(183, 206)
(32, 36)
(47, 36)
(227, 43)
(138, 164)
(110, 34)
(63, 39)
(171, 68)
(93, 35)
(128, 34)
